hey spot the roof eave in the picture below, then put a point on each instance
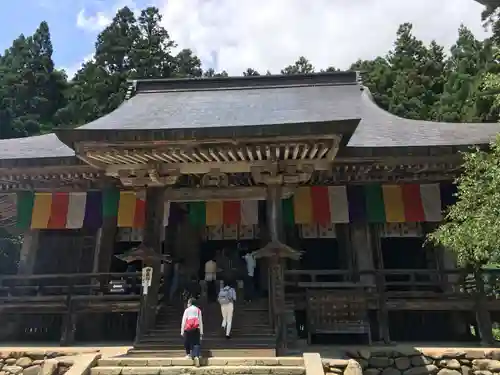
(346, 128)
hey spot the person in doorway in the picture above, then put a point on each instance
(192, 330)
(226, 299)
(248, 281)
(210, 279)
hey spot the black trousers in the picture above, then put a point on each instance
(249, 287)
(192, 342)
(212, 291)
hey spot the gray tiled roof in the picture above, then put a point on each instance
(192, 104)
(379, 128)
(40, 146)
(233, 107)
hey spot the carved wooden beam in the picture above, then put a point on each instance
(232, 193)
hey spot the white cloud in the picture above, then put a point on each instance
(270, 34)
(96, 21)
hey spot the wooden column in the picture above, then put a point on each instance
(276, 263)
(155, 201)
(382, 311)
(105, 244)
(28, 253)
(362, 246)
(365, 243)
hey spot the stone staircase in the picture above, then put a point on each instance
(209, 366)
(251, 330)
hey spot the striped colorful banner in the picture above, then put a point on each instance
(214, 213)
(374, 203)
(323, 205)
(63, 210)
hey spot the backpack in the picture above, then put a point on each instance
(192, 324)
(225, 296)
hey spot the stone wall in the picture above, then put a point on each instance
(415, 362)
(35, 362)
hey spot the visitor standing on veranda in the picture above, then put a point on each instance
(249, 281)
(192, 330)
(227, 298)
(211, 279)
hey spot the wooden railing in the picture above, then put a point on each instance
(404, 289)
(44, 306)
(67, 284)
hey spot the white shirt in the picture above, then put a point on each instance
(210, 267)
(231, 293)
(189, 313)
(251, 263)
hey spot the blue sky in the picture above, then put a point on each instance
(237, 34)
(74, 24)
(24, 16)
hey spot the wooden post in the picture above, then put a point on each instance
(105, 244)
(69, 319)
(276, 274)
(362, 246)
(155, 201)
(382, 312)
(28, 253)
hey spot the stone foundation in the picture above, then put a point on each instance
(35, 363)
(415, 362)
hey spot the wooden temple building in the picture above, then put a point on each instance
(334, 193)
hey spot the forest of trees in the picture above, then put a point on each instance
(412, 80)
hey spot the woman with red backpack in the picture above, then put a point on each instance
(192, 330)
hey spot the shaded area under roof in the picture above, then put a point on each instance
(193, 107)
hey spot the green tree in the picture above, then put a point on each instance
(212, 73)
(301, 66)
(150, 53)
(472, 224)
(31, 90)
(468, 61)
(187, 64)
(126, 49)
(418, 75)
(250, 72)
(378, 76)
(330, 69)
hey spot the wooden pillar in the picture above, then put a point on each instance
(365, 243)
(28, 253)
(155, 201)
(105, 244)
(277, 264)
(362, 246)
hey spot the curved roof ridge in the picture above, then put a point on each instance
(368, 94)
(35, 146)
(380, 128)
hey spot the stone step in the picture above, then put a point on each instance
(208, 334)
(206, 353)
(211, 342)
(216, 314)
(211, 339)
(204, 370)
(223, 344)
(218, 361)
(214, 328)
